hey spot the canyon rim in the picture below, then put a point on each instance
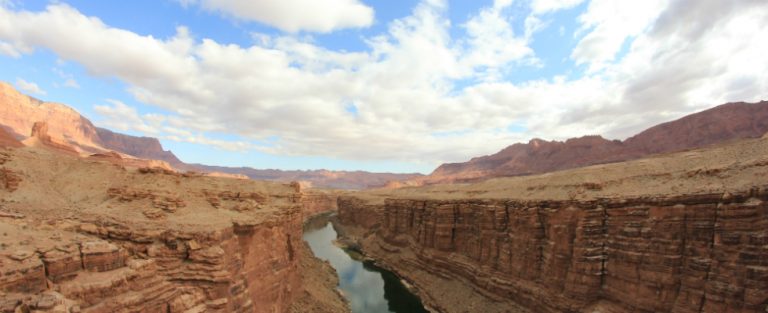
(369, 156)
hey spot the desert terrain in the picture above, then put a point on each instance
(93, 222)
(93, 235)
(679, 232)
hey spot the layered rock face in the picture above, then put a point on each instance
(80, 236)
(141, 147)
(7, 140)
(697, 253)
(117, 268)
(318, 202)
(680, 233)
(22, 112)
(40, 137)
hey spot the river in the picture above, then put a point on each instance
(368, 288)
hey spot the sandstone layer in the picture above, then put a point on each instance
(723, 123)
(315, 202)
(94, 236)
(685, 232)
(8, 140)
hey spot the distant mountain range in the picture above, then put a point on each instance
(720, 124)
(19, 113)
(723, 123)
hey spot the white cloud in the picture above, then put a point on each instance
(492, 41)
(421, 94)
(545, 6)
(121, 116)
(69, 79)
(125, 118)
(608, 24)
(294, 15)
(9, 50)
(71, 83)
(29, 87)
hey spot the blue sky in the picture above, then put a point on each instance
(380, 85)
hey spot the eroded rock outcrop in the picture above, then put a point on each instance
(8, 140)
(316, 202)
(91, 247)
(683, 254)
(248, 267)
(679, 233)
(40, 137)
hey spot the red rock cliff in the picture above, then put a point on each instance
(316, 202)
(8, 140)
(111, 239)
(141, 147)
(697, 253)
(685, 232)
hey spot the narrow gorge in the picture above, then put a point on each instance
(688, 241)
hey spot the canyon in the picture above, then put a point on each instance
(97, 221)
(685, 232)
(89, 235)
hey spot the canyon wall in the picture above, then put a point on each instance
(318, 202)
(141, 147)
(114, 267)
(689, 253)
(92, 236)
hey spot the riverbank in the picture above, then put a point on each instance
(320, 281)
(438, 293)
(368, 287)
(320, 286)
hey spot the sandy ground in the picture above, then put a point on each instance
(320, 284)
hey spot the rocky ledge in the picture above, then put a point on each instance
(685, 232)
(78, 236)
(694, 253)
(108, 266)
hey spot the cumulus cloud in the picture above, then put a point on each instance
(492, 41)
(120, 116)
(420, 94)
(545, 6)
(9, 50)
(294, 15)
(71, 83)
(608, 24)
(669, 72)
(69, 79)
(29, 87)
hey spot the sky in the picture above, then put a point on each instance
(381, 85)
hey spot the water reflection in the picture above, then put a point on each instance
(368, 288)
